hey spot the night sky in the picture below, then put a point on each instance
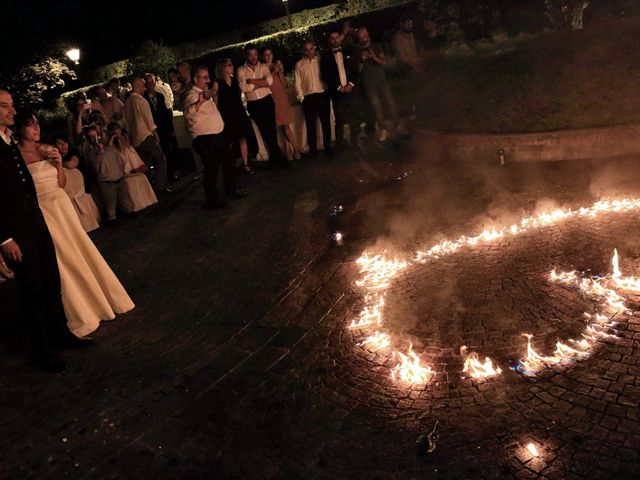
(110, 30)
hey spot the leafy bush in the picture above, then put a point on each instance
(40, 82)
(113, 70)
(152, 57)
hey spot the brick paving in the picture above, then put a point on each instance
(237, 362)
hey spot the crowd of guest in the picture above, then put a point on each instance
(120, 148)
(222, 104)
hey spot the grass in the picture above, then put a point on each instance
(554, 81)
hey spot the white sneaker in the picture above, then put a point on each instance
(383, 135)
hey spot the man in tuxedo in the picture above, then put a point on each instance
(340, 69)
(27, 246)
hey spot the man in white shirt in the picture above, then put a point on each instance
(255, 79)
(311, 92)
(206, 127)
(143, 132)
(404, 45)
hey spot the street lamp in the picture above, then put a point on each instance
(74, 55)
(286, 9)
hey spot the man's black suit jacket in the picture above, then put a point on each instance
(162, 116)
(329, 69)
(20, 215)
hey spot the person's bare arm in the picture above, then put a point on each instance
(73, 162)
(54, 157)
(380, 58)
(78, 124)
(258, 82)
(267, 81)
(244, 83)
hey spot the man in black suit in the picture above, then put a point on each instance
(163, 118)
(27, 246)
(340, 70)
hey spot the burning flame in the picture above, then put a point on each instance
(378, 271)
(371, 314)
(377, 341)
(598, 326)
(526, 224)
(474, 368)
(533, 450)
(410, 370)
(534, 362)
(626, 283)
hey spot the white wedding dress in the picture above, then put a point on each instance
(90, 290)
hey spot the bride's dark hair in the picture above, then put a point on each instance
(23, 118)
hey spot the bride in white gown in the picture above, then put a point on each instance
(90, 290)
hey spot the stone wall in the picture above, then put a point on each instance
(587, 144)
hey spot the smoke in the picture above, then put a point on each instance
(442, 199)
(614, 179)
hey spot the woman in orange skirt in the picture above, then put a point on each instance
(284, 113)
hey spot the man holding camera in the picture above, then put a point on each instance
(107, 168)
(206, 127)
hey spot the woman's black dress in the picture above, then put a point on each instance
(236, 120)
(234, 115)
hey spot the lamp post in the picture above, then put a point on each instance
(286, 9)
(74, 55)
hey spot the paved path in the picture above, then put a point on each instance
(237, 362)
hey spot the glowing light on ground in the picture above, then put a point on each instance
(533, 450)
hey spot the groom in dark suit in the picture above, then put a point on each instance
(340, 70)
(27, 246)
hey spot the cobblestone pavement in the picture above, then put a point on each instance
(237, 362)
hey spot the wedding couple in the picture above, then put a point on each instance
(66, 287)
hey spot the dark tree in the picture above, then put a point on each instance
(566, 14)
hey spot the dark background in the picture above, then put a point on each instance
(107, 31)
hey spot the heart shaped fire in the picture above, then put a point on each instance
(609, 293)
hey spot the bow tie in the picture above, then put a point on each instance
(336, 50)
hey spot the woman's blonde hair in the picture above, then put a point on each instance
(223, 62)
